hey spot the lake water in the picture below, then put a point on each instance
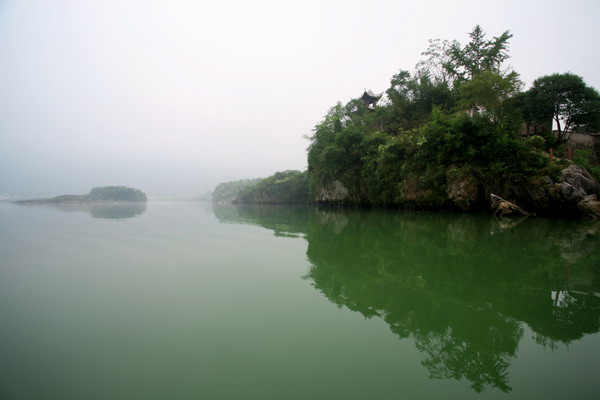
(200, 301)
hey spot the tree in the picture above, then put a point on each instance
(437, 63)
(567, 100)
(488, 93)
(477, 56)
(335, 150)
(413, 97)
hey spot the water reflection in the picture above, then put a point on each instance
(112, 211)
(283, 220)
(461, 286)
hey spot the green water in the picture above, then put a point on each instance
(195, 301)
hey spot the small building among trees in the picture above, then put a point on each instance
(370, 99)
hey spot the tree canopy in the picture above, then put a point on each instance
(567, 100)
(117, 193)
(478, 55)
(449, 61)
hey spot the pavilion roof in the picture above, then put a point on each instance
(369, 97)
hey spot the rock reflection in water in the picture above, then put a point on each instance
(462, 286)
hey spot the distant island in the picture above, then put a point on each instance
(103, 194)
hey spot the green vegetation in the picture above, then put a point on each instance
(584, 159)
(281, 188)
(459, 115)
(446, 135)
(227, 191)
(565, 99)
(117, 193)
(98, 195)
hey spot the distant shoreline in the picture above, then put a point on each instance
(106, 195)
(84, 201)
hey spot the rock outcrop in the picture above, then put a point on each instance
(590, 207)
(462, 191)
(576, 186)
(574, 195)
(576, 183)
(335, 192)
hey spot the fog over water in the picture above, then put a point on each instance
(173, 97)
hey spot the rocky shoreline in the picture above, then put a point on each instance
(575, 194)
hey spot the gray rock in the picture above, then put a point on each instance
(537, 192)
(580, 179)
(462, 191)
(565, 192)
(575, 185)
(333, 193)
(590, 207)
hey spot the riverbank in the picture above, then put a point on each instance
(571, 192)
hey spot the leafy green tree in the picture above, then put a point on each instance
(567, 100)
(413, 97)
(465, 62)
(339, 146)
(450, 62)
(474, 71)
(488, 92)
(392, 165)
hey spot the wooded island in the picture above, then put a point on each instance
(449, 135)
(103, 194)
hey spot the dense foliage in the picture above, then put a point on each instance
(281, 188)
(117, 193)
(228, 191)
(565, 99)
(448, 134)
(461, 113)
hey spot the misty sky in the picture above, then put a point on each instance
(173, 97)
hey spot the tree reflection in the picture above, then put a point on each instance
(461, 286)
(112, 211)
